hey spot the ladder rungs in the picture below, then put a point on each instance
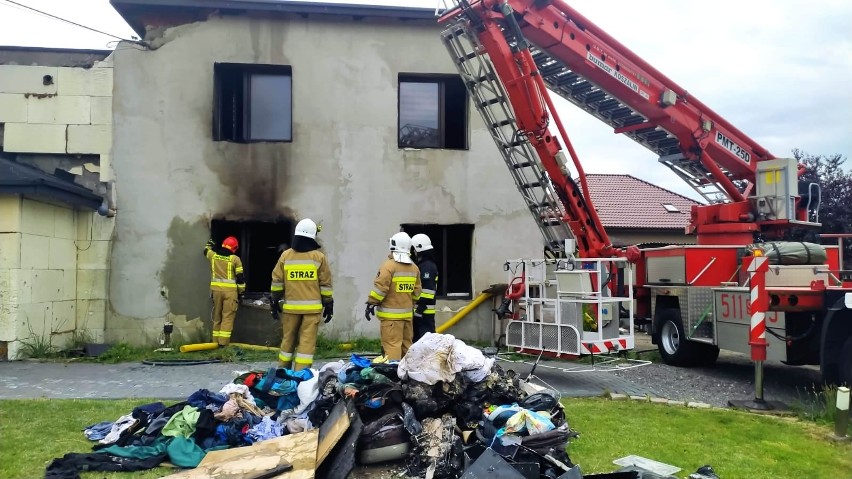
(534, 184)
(501, 123)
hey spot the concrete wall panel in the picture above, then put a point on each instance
(10, 213)
(60, 110)
(92, 284)
(10, 251)
(28, 79)
(13, 108)
(30, 138)
(35, 252)
(87, 82)
(89, 138)
(63, 254)
(47, 285)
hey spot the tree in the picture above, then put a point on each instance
(835, 210)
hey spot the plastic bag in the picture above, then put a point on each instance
(528, 421)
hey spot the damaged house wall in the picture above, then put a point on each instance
(55, 125)
(343, 167)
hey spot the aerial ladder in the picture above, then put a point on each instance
(511, 54)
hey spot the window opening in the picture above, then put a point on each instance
(432, 112)
(453, 245)
(252, 102)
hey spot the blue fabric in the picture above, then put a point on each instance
(360, 361)
(98, 431)
(266, 429)
(202, 398)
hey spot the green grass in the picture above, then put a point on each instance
(34, 432)
(738, 445)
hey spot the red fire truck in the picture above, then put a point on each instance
(512, 54)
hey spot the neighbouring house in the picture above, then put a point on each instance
(242, 117)
(55, 144)
(636, 212)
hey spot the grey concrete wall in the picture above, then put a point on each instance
(343, 167)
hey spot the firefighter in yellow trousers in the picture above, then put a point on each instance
(396, 288)
(226, 286)
(301, 291)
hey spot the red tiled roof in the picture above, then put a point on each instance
(624, 201)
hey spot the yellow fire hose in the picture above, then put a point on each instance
(188, 348)
(463, 312)
(254, 347)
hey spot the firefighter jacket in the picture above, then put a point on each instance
(429, 281)
(396, 288)
(303, 280)
(226, 270)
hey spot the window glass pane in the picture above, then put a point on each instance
(419, 114)
(270, 111)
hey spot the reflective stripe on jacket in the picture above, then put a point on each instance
(429, 280)
(395, 290)
(224, 271)
(303, 279)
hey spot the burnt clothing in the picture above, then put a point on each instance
(303, 280)
(424, 313)
(396, 287)
(70, 465)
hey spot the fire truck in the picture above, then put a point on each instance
(581, 297)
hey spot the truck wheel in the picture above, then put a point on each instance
(675, 349)
(708, 354)
(845, 364)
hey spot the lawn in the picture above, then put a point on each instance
(737, 445)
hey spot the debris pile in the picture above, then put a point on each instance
(445, 409)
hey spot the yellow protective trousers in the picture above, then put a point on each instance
(224, 313)
(396, 335)
(300, 340)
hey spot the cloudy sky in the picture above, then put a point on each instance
(781, 70)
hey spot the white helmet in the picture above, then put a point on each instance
(421, 242)
(400, 247)
(306, 228)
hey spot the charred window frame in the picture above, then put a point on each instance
(453, 246)
(252, 103)
(432, 112)
(261, 244)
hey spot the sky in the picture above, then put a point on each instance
(780, 71)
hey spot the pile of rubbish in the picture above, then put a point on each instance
(446, 409)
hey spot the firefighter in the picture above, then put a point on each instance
(424, 313)
(396, 288)
(227, 284)
(301, 290)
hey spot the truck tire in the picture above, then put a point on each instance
(845, 364)
(707, 354)
(672, 344)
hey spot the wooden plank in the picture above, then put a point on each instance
(332, 430)
(300, 450)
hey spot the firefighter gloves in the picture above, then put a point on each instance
(370, 311)
(211, 244)
(328, 311)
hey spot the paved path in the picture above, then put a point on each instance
(30, 379)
